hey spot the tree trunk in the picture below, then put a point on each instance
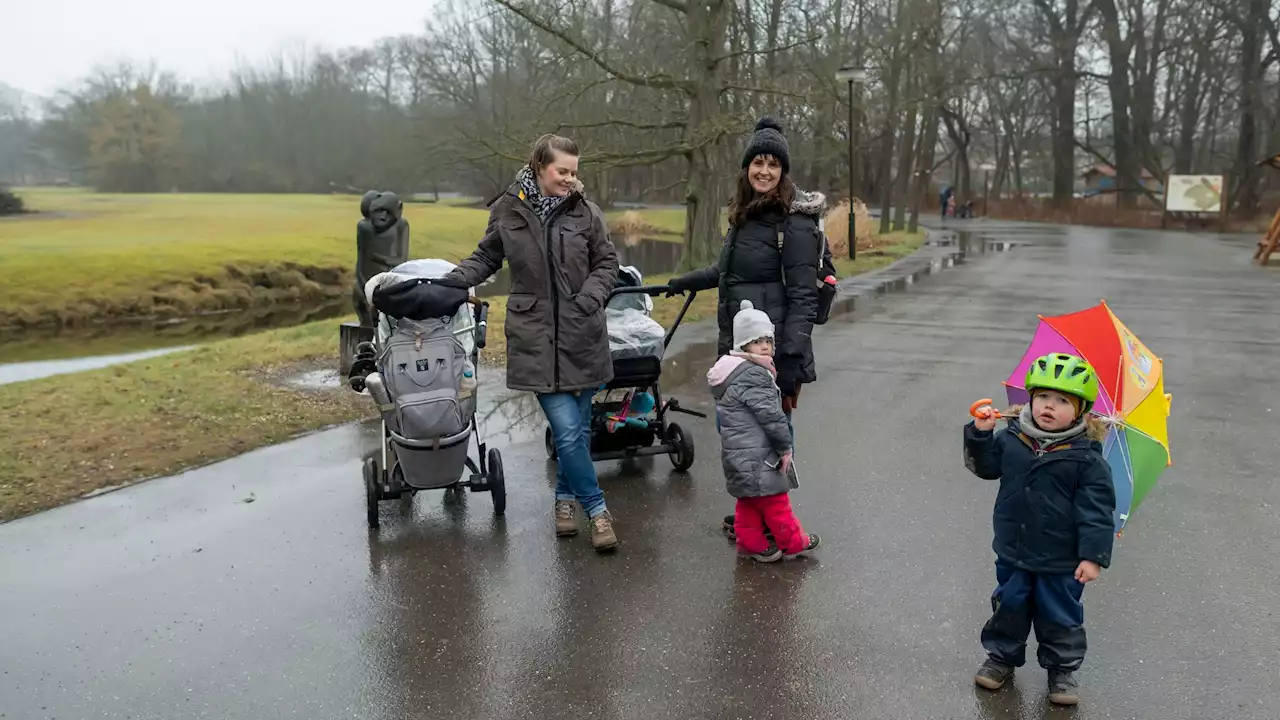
(1189, 116)
(771, 38)
(887, 134)
(960, 136)
(928, 146)
(704, 190)
(827, 139)
(1243, 189)
(1126, 156)
(1064, 135)
(1064, 37)
(1003, 166)
(906, 154)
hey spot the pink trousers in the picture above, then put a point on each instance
(753, 515)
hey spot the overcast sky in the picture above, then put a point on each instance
(46, 44)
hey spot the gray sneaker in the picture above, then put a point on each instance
(1063, 688)
(602, 535)
(566, 516)
(772, 554)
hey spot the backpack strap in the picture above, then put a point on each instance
(782, 234)
(726, 255)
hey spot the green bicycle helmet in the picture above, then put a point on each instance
(1066, 374)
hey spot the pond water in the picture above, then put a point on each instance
(42, 352)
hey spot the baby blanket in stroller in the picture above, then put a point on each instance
(632, 333)
(396, 295)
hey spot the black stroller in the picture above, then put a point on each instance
(630, 426)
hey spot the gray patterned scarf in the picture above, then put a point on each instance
(541, 204)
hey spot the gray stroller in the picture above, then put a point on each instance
(421, 371)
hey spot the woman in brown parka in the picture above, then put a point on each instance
(563, 267)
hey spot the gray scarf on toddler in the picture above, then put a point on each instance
(1029, 428)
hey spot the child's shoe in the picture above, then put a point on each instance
(813, 545)
(993, 674)
(729, 531)
(1063, 688)
(771, 554)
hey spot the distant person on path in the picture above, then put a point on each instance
(756, 442)
(771, 256)
(1054, 522)
(557, 342)
(947, 193)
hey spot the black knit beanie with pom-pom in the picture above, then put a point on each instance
(768, 140)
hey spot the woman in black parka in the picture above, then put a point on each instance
(771, 256)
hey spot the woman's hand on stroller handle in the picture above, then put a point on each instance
(650, 290)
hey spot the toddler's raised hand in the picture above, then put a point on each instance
(984, 418)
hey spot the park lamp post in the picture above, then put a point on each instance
(852, 75)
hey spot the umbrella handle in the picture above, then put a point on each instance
(973, 409)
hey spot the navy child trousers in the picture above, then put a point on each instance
(1049, 602)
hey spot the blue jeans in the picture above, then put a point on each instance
(570, 417)
(1052, 603)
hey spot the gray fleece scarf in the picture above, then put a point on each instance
(541, 204)
(1027, 423)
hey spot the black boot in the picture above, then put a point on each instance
(993, 674)
(1063, 688)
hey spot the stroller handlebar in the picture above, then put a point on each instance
(650, 290)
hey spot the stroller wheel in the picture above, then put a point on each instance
(371, 490)
(682, 447)
(550, 441)
(497, 483)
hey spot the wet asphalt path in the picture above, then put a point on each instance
(253, 589)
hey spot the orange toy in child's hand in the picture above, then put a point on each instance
(977, 411)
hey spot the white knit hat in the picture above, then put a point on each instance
(750, 325)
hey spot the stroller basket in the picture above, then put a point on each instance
(635, 372)
(431, 464)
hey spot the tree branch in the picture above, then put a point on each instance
(671, 125)
(653, 81)
(763, 91)
(674, 5)
(788, 46)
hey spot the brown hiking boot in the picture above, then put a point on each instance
(602, 536)
(566, 514)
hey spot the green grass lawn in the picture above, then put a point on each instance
(90, 255)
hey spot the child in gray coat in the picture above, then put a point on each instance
(755, 442)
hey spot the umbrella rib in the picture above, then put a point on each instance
(1119, 386)
(1122, 442)
(1121, 422)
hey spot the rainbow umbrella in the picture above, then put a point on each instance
(1131, 397)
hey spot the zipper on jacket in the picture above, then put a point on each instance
(555, 295)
